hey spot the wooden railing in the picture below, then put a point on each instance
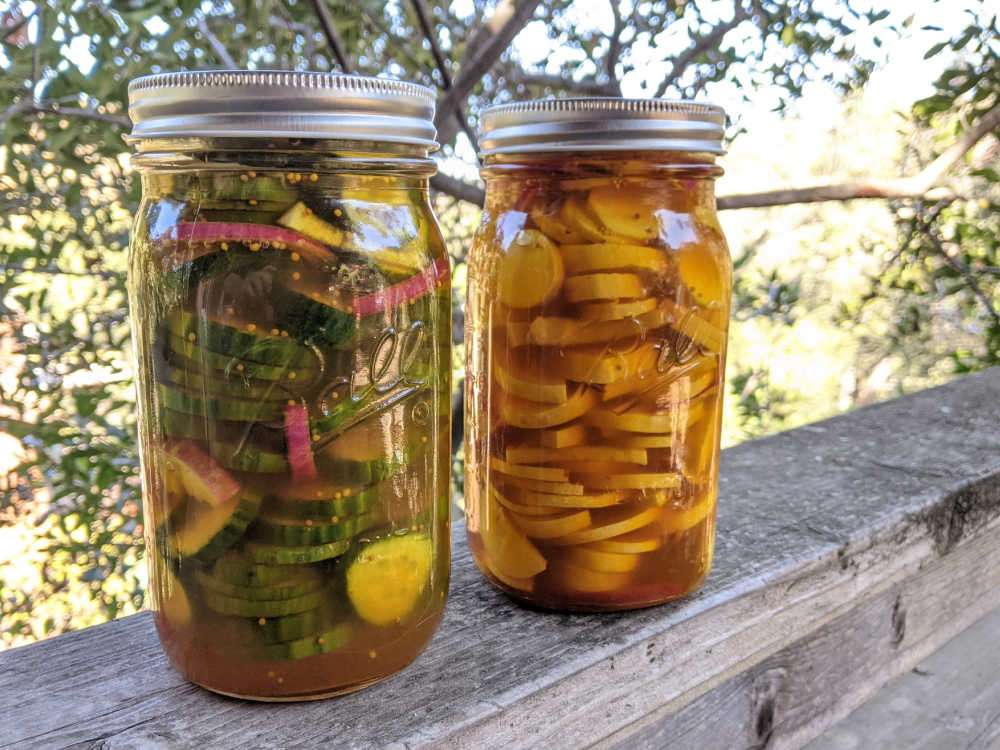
(848, 550)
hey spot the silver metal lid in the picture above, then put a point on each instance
(277, 104)
(602, 124)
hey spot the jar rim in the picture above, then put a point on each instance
(281, 104)
(602, 124)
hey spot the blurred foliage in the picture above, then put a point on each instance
(66, 196)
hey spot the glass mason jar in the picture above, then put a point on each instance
(597, 315)
(291, 316)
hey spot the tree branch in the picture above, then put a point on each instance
(486, 55)
(14, 28)
(218, 47)
(614, 48)
(332, 37)
(585, 87)
(684, 60)
(919, 185)
(458, 189)
(423, 18)
(28, 106)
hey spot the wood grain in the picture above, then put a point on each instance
(877, 527)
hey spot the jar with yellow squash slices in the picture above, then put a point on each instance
(596, 324)
(291, 317)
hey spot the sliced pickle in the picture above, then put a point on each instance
(550, 527)
(609, 562)
(612, 257)
(529, 472)
(555, 229)
(526, 510)
(616, 310)
(701, 273)
(507, 548)
(646, 481)
(645, 539)
(528, 455)
(599, 365)
(697, 329)
(586, 580)
(532, 387)
(529, 414)
(627, 212)
(545, 331)
(547, 500)
(611, 523)
(531, 271)
(603, 286)
(562, 437)
(644, 421)
(676, 521)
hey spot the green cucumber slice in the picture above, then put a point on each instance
(292, 588)
(273, 554)
(255, 434)
(229, 605)
(222, 386)
(233, 366)
(311, 317)
(324, 502)
(283, 629)
(239, 340)
(237, 569)
(241, 457)
(386, 577)
(232, 409)
(303, 648)
(204, 532)
(302, 533)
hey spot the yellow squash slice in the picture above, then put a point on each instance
(532, 387)
(598, 365)
(612, 257)
(650, 481)
(603, 286)
(552, 526)
(701, 273)
(677, 521)
(546, 500)
(636, 420)
(645, 539)
(616, 310)
(562, 437)
(531, 271)
(553, 331)
(590, 581)
(575, 215)
(508, 550)
(555, 229)
(608, 562)
(626, 212)
(612, 523)
(527, 510)
(638, 440)
(528, 455)
(529, 472)
(522, 584)
(696, 328)
(549, 488)
(531, 415)
(656, 381)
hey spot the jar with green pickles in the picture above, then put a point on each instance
(596, 326)
(291, 316)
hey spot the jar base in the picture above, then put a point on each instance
(323, 695)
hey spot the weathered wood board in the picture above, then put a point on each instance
(848, 550)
